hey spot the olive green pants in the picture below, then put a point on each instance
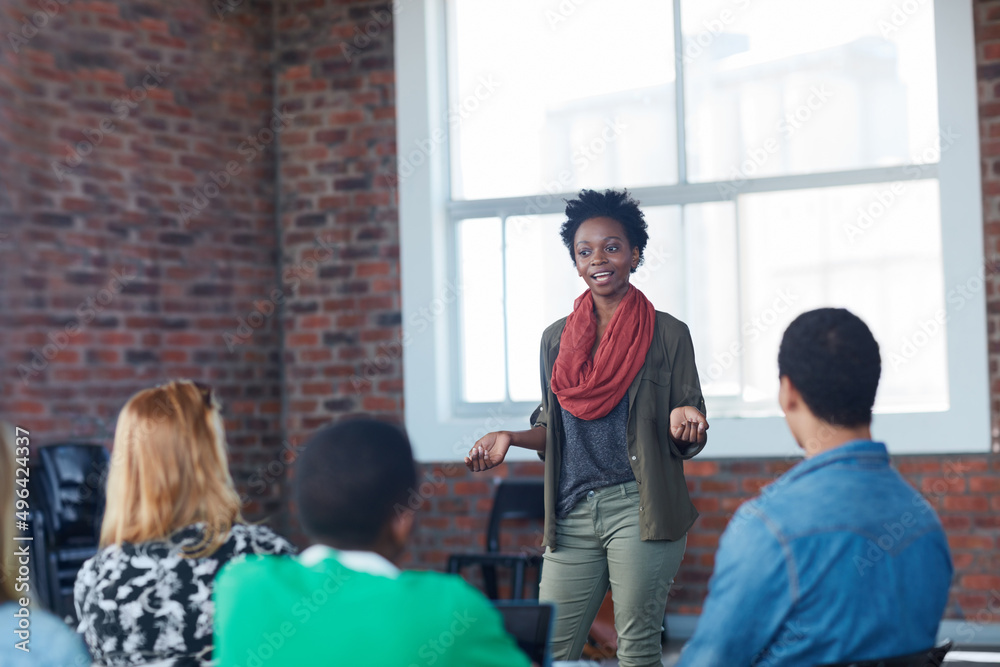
(596, 545)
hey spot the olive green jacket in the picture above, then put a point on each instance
(667, 379)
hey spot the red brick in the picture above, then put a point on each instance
(966, 504)
(969, 602)
(439, 524)
(991, 51)
(241, 407)
(707, 504)
(71, 374)
(23, 408)
(303, 339)
(957, 542)
(185, 339)
(954, 523)
(713, 486)
(962, 561)
(299, 72)
(368, 269)
(745, 467)
(980, 582)
(380, 285)
(104, 356)
(314, 322)
(66, 357)
(379, 335)
(700, 468)
(991, 522)
(985, 484)
(472, 489)
(753, 485)
(316, 388)
(316, 355)
(909, 466)
(964, 466)
(351, 321)
(339, 118)
(379, 404)
(106, 8)
(698, 539)
(940, 486)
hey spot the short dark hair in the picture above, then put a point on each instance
(833, 360)
(350, 477)
(614, 204)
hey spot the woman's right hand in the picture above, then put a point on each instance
(489, 451)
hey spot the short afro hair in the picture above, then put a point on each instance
(833, 360)
(614, 204)
(349, 478)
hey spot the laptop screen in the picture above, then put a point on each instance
(530, 624)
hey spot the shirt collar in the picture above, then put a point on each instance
(869, 450)
(359, 561)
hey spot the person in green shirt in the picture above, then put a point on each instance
(343, 601)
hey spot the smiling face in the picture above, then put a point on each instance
(604, 258)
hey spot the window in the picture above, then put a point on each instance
(788, 154)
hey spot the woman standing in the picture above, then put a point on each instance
(172, 521)
(621, 408)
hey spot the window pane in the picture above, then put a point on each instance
(547, 97)
(788, 87)
(542, 284)
(661, 276)
(713, 292)
(480, 276)
(875, 250)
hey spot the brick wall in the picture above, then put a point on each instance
(338, 220)
(126, 263)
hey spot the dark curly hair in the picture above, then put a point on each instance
(614, 204)
(833, 360)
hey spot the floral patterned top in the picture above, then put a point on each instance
(141, 603)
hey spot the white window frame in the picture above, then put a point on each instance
(442, 431)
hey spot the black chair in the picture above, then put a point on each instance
(67, 506)
(514, 499)
(932, 657)
(531, 627)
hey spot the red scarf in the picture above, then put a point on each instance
(590, 389)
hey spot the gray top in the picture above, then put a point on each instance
(595, 455)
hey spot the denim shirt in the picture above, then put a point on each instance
(51, 643)
(838, 560)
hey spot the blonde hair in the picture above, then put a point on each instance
(8, 568)
(169, 470)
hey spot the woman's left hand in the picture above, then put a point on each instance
(688, 425)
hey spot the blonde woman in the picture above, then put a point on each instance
(50, 643)
(172, 521)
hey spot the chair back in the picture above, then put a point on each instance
(514, 499)
(68, 484)
(531, 625)
(72, 481)
(932, 657)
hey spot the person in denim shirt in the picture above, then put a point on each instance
(840, 559)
